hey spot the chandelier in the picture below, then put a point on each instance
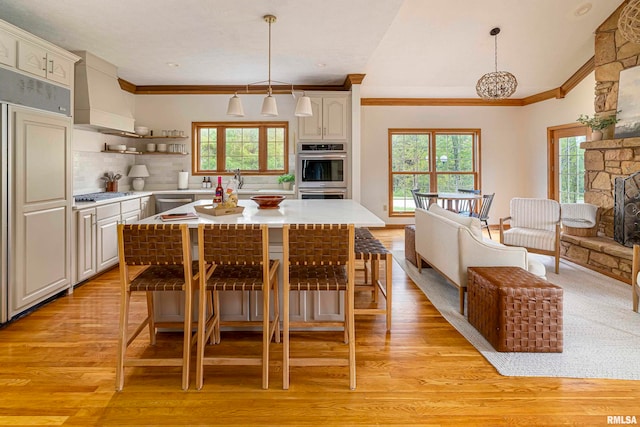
(629, 22)
(497, 84)
(269, 106)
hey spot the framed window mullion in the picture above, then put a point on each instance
(221, 151)
(262, 149)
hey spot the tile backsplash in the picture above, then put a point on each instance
(89, 166)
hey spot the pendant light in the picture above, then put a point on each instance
(269, 105)
(303, 106)
(235, 106)
(629, 22)
(497, 84)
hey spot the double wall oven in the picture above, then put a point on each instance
(322, 171)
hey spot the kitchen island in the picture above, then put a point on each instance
(294, 211)
(245, 305)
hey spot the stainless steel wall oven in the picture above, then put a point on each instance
(321, 166)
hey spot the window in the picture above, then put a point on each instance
(254, 148)
(566, 163)
(431, 160)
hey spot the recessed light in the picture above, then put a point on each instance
(583, 9)
(321, 65)
(173, 64)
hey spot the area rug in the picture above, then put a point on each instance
(601, 331)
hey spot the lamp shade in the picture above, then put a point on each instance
(269, 106)
(235, 107)
(138, 171)
(303, 107)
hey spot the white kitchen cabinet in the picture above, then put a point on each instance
(41, 219)
(8, 44)
(329, 121)
(41, 62)
(86, 244)
(130, 211)
(146, 207)
(107, 220)
(97, 234)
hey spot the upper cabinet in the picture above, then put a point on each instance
(40, 62)
(329, 121)
(30, 54)
(8, 45)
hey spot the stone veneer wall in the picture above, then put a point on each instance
(607, 159)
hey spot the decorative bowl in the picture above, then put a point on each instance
(141, 130)
(117, 147)
(268, 202)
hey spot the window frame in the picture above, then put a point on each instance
(221, 128)
(433, 172)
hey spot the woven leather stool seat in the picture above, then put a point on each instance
(318, 278)
(371, 249)
(363, 233)
(515, 310)
(237, 278)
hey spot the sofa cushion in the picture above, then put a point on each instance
(530, 238)
(536, 267)
(473, 224)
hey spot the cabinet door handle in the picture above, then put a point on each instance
(51, 70)
(324, 131)
(319, 130)
(44, 63)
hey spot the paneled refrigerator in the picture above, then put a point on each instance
(36, 199)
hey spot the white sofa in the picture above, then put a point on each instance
(450, 243)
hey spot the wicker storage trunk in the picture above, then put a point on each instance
(515, 310)
(410, 245)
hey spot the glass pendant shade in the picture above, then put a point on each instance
(269, 107)
(235, 107)
(303, 107)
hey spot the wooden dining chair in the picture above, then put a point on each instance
(235, 257)
(319, 257)
(423, 200)
(163, 254)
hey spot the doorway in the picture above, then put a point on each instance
(566, 163)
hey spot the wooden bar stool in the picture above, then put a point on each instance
(319, 258)
(235, 257)
(165, 251)
(373, 251)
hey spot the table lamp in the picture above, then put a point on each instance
(138, 173)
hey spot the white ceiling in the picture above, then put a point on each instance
(406, 48)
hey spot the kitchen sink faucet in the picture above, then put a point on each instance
(238, 177)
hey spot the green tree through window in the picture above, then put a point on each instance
(453, 166)
(256, 148)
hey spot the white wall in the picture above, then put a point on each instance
(178, 111)
(513, 144)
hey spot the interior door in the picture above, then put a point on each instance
(41, 222)
(566, 163)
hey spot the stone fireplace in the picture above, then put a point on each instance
(608, 159)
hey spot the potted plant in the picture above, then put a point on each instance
(598, 123)
(286, 180)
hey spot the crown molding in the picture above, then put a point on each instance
(351, 79)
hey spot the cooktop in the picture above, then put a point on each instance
(96, 197)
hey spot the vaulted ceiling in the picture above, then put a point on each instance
(406, 48)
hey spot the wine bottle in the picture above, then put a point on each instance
(219, 192)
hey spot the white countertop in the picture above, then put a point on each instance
(290, 211)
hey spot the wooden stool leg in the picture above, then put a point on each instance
(389, 287)
(122, 338)
(285, 336)
(266, 336)
(375, 277)
(150, 317)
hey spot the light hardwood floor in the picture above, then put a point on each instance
(57, 367)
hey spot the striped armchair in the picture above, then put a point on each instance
(535, 225)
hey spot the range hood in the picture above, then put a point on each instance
(100, 103)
